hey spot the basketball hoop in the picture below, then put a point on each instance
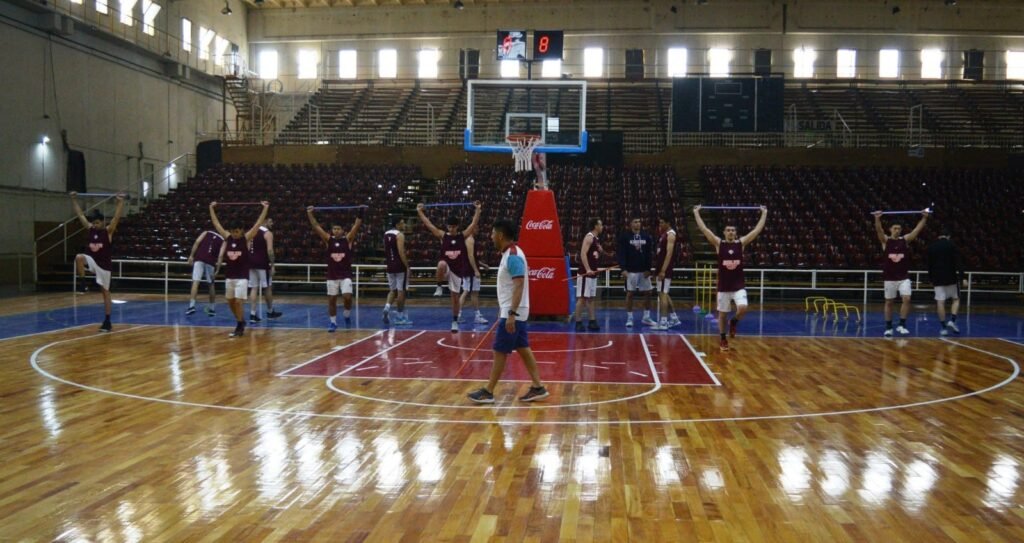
(523, 146)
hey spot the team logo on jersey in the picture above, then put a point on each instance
(234, 255)
(337, 257)
(95, 247)
(896, 257)
(731, 264)
(452, 255)
(731, 251)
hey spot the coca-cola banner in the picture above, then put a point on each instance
(549, 291)
(539, 232)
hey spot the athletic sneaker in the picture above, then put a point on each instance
(580, 327)
(732, 327)
(105, 327)
(273, 314)
(534, 394)
(902, 331)
(479, 319)
(629, 322)
(674, 321)
(254, 319)
(888, 332)
(402, 320)
(455, 326)
(943, 332)
(210, 311)
(649, 322)
(438, 291)
(952, 327)
(239, 330)
(724, 344)
(461, 320)
(332, 327)
(592, 326)
(386, 316)
(662, 326)
(191, 310)
(481, 396)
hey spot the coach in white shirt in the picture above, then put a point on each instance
(514, 301)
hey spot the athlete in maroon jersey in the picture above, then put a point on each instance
(261, 271)
(234, 253)
(666, 256)
(731, 287)
(586, 280)
(203, 260)
(339, 247)
(97, 252)
(454, 258)
(896, 268)
(397, 268)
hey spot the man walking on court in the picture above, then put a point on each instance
(946, 271)
(635, 253)
(234, 254)
(586, 282)
(453, 254)
(261, 274)
(98, 253)
(397, 268)
(896, 268)
(203, 260)
(514, 304)
(731, 286)
(339, 265)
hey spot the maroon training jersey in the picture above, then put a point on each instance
(593, 255)
(259, 259)
(339, 259)
(209, 248)
(662, 251)
(730, 266)
(391, 257)
(453, 251)
(99, 247)
(896, 261)
(236, 258)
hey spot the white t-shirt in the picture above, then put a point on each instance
(513, 265)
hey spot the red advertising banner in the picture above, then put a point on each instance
(549, 291)
(539, 233)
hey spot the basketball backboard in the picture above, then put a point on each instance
(554, 111)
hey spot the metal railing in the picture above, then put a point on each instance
(759, 280)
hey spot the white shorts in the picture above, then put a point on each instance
(947, 292)
(454, 283)
(725, 298)
(397, 281)
(339, 285)
(586, 287)
(471, 283)
(236, 289)
(638, 281)
(664, 285)
(892, 288)
(259, 278)
(201, 271)
(102, 275)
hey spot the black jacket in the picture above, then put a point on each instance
(635, 255)
(944, 264)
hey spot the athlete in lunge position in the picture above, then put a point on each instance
(234, 254)
(454, 257)
(98, 251)
(731, 287)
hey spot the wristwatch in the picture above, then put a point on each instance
(513, 313)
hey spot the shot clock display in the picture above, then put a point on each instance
(547, 44)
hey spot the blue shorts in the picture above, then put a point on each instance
(505, 342)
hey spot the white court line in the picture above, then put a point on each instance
(368, 368)
(329, 353)
(1007, 340)
(371, 357)
(400, 358)
(416, 363)
(592, 366)
(610, 343)
(47, 332)
(701, 361)
(34, 362)
(638, 373)
(615, 363)
(650, 362)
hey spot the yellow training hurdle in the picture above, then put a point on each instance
(813, 301)
(705, 289)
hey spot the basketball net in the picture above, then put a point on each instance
(523, 147)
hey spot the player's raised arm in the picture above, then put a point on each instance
(920, 226)
(78, 211)
(708, 234)
(316, 225)
(879, 231)
(216, 222)
(112, 227)
(351, 236)
(471, 229)
(256, 227)
(752, 235)
(426, 222)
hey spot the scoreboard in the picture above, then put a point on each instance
(727, 104)
(547, 45)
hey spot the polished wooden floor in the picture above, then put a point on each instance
(161, 433)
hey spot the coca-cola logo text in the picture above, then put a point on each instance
(542, 273)
(546, 224)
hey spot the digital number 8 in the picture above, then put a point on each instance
(545, 43)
